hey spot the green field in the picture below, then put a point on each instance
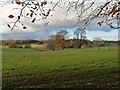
(28, 68)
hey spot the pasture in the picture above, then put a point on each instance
(72, 68)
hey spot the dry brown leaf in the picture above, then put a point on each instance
(33, 20)
(32, 11)
(43, 3)
(17, 2)
(31, 14)
(8, 25)
(27, 14)
(114, 11)
(24, 27)
(11, 16)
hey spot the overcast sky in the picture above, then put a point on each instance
(57, 22)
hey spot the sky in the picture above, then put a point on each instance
(56, 23)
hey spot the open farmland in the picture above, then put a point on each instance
(29, 68)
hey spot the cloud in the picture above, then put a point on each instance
(36, 30)
(112, 35)
(31, 35)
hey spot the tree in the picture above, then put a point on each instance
(12, 44)
(85, 11)
(81, 36)
(58, 40)
(62, 33)
(51, 43)
(28, 46)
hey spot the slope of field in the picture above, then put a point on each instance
(27, 68)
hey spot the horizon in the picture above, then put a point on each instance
(112, 35)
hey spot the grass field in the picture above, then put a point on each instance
(28, 68)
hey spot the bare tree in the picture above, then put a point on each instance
(81, 36)
(12, 44)
(51, 43)
(62, 33)
(85, 11)
(35, 10)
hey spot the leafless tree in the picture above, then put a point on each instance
(63, 33)
(51, 43)
(35, 10)
(85, 11)
(81, 36)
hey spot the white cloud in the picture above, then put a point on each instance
(36, 30)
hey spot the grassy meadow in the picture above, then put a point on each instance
(71, 68)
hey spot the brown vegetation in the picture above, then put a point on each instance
(28, 46)
(12, 44)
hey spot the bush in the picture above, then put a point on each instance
(51, 44)
(12, 45)
(19, 46)
(28, 46)
(101, 45)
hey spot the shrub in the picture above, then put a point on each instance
(12, 45)
(101, 45)
(28, 46)
(20, 46)
(51, 44)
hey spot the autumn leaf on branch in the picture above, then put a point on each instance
(32, 11)
(18, 2)
(31, 14)
(11, 16)
(114, 10)
(27, 14)
(43, 3)
(8, 25)
(24, 27)
(33, 20)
